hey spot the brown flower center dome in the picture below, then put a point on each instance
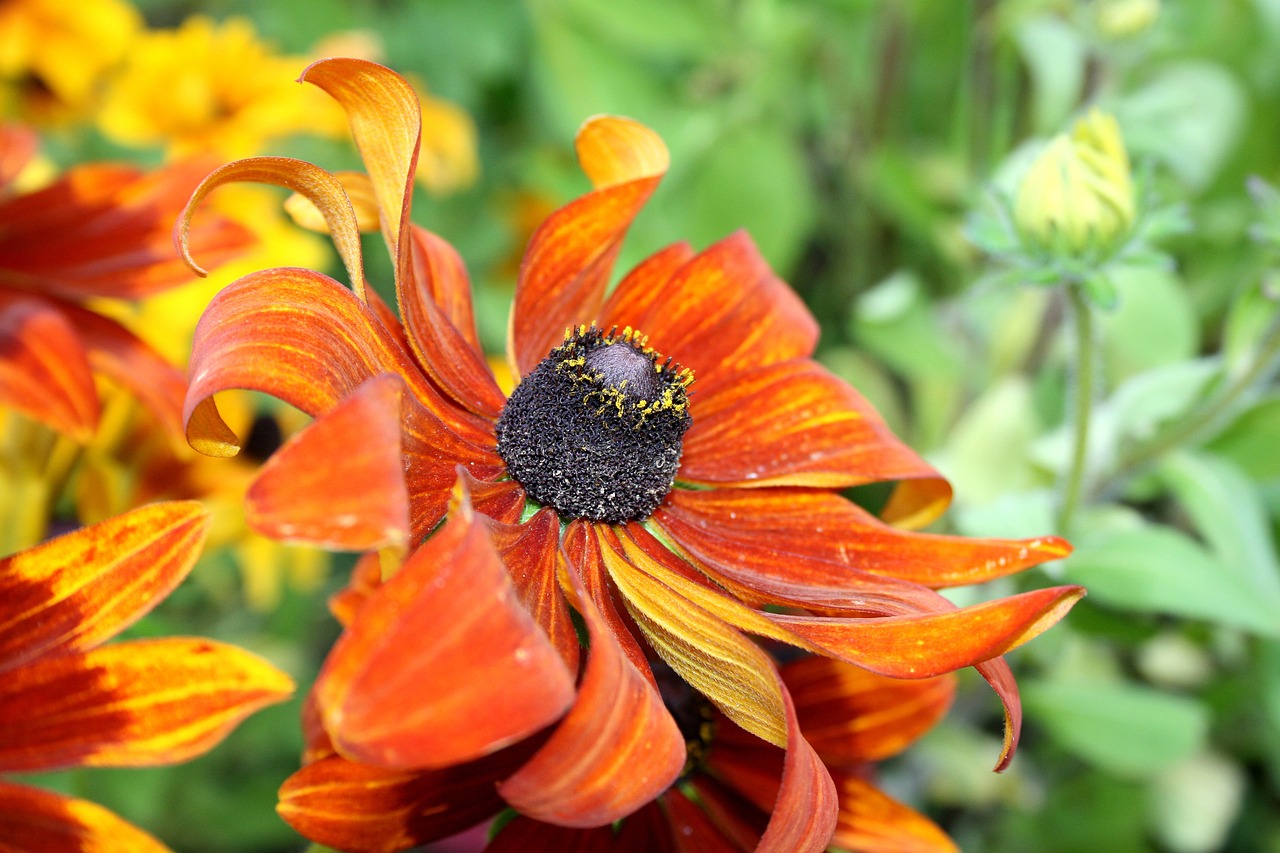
(596, 429)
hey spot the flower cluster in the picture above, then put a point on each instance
(555, 613)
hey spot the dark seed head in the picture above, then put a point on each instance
(596, 429)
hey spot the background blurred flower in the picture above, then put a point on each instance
(53, 55)
(68, 701)
(210, 87)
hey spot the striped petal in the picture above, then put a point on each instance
(339, 483)
(133, 704)
(719, 314)
(874, 822)
(71, 593)
(850, 715)
(816, 536)
(36, 821)
(791, 423)
(526, 835)
(365, 809)
(616, 750)
(44, 369)
(570, 257)
(442, 664)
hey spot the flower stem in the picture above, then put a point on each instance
(1082, 381)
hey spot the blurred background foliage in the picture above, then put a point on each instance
(865, 146)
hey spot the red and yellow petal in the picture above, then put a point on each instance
(71, 593)
(570, 257)
(36, 821)
(323, 190)
(791, 423)
(386, 122)
(722, 313)
(132, 704)
(851, 715)
(366, 809)
(442, 664)
(106, 231)
(44, 369)
(873, 822)
(18, 144)
(339, 483)
(816, 536)
(616, 750)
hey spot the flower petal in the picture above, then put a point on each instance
(616, 750)
(526, 835)
(442, 663)
(721, 313)
(501, 500)
(75, 591)
(323, 190)
(44, 370)
(816, 536)
(872, 821)
(850, 715)
(570, 257)
(791, 424)
(339, 483)
(36, 821)
(106, 231)
(386, 121)
(365, 809)
(302, 337)
(998, 674)
(18, 144)
(531, 553)
(133, 704)
(922, 646)
(119, 354)
(359, 190)
(434, 297)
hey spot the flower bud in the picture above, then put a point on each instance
(1077, 197)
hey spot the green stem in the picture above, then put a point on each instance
(1191, 427)
(1083, 380)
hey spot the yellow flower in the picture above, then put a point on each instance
(210, 87)
(58, 51)
(1077, 197)
(447, 160)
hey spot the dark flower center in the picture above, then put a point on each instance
(596, 429)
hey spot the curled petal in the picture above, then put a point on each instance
(872, 820)
(442, 664)
(793, 424)
(323, 190)
(531, 553)
(998, 674)
(721, 313)
(36, 821)
(366, 809)
(922, 646)
(364, 203)
(433, 299)
(133, 704)
(616, 750)
(386, 121)
(816, 536)
(850, 715)
(339, 483)
(366, 576)
(501, 500)
(570, 257)
(44, 370)
(71, 593)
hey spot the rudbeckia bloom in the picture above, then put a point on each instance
(605, 485)
(66, 700)
(98, 231)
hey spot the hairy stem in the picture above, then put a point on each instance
(1082, 406)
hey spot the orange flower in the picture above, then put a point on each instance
(601, 486)
(99, 231)
(68, 701)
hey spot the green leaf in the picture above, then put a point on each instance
(1126, 730)
(1226, 510)
(1153, 324)
(1250, 441)
(1160, 570)
(1154, 397)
